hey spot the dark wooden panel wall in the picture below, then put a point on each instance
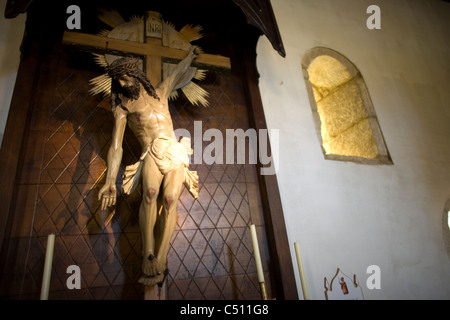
(52, 163)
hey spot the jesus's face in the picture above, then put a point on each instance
(126, 81)
(130, 86)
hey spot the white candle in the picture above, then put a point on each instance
(448, 219)
(259, 268)
(47, 267)
(301, 271)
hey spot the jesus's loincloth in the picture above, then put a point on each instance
(168, 155)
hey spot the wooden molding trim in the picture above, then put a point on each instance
(270, 193)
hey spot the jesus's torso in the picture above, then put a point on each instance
(149, 119)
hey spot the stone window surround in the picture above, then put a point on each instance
(384, 156)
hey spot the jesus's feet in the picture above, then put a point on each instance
(152, 267)
(153, 280)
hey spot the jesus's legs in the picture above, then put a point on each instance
(148, 214)
(167, 220)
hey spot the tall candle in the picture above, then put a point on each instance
(259, 268)
(448, 218)
(301, 271)
(47, 267)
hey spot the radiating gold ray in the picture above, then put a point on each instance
(103, 33)
(200, 75)
(136, 19)
(100, 60)
(102, 84)
(173, 95)
(195, 94)
(110, 17)
(191, 33)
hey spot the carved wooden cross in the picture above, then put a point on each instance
(152, 49)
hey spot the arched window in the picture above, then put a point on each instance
(343, 112)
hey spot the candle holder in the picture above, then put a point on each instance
(262, 285)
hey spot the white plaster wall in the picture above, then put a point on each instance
(11, 34)
(350, 215)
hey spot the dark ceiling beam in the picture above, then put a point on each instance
(259, 13)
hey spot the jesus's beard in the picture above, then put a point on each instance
(132, 92)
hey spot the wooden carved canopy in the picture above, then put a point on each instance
(260, 14)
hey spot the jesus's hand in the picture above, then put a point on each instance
(107, 195)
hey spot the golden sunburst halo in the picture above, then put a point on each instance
(102, 84)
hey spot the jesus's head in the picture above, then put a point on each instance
(126, 79)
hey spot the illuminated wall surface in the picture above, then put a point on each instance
(10, 38)
(354, 197)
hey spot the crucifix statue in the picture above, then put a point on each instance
(140, 100)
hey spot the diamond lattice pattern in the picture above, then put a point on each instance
(211, 255)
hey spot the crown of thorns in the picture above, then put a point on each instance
(122, 66)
